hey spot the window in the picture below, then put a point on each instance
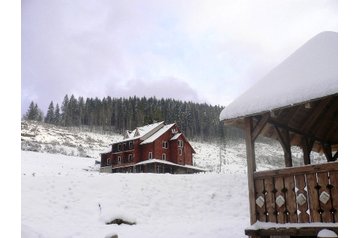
(180, 151)
(130, 158)
(164, 156)
(108, 161)
(180, 143)
(150, 155)
(165, 144)
(118, 160)
(130, 145)
(119, 147)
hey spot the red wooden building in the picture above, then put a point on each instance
(154, 148)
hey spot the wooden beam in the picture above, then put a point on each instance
(284, 139)
(335, 156)
(251, 166)
(260, 125)
(327, 150)
(294, 130)
(307, 145)
(316, 114)
(306, 169)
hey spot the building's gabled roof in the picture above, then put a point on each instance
(157, 134)
(311, 72)
(142, 132)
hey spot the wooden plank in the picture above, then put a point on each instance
(322, 179)
(333, 177)
(270, 200)
(332, 166)
(259, 190)
(251, 167)
(290, 199)
(313, 197)
(303, 216)
(280, 188)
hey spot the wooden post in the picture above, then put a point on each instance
(307, 145)
(285, 141)
(327, 150)
(251, 167)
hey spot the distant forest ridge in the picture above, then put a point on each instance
(196, 120)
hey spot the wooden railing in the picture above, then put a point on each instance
(297, 195)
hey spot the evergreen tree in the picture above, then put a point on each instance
(64, 109)
(50, 116)
(57, 115)
(33, 113)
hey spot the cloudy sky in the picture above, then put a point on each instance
(197, 50)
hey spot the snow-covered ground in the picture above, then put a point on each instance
(64, 196)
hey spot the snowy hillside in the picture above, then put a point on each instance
(230, 158)
(62, 196)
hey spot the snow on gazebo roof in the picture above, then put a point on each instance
(311, 72)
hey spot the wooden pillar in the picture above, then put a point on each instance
(327, 150)
(251, 166)
(285, 141)
(307, 145)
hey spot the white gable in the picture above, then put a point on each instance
(310, 72)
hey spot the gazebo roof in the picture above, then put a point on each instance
(299, 95)
(311, 72)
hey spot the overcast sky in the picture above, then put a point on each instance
(202, 51)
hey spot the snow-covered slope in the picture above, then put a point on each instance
(62, 196)
(228, 158)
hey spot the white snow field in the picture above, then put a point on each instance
(64, 196)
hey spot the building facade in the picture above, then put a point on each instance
(154, 148)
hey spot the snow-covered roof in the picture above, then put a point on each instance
(311, 72)
(157, 134)
(150, 161)
(176, 136)
(142, 132)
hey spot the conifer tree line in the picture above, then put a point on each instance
(196, 120)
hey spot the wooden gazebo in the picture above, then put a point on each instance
(295, 104)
